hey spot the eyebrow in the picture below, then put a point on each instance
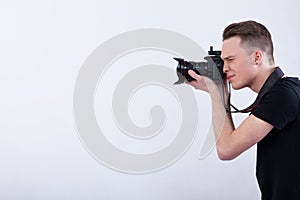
(228, 57)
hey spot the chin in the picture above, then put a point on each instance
(236, 86)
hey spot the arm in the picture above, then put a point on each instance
(231, 141)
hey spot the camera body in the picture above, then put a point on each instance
(212, 68)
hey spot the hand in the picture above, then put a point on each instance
(215, 89)
(201, 82)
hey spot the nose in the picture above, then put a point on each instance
(225, 67)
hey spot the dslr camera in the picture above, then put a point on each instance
(211, 68)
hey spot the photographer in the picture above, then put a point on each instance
(274, 123)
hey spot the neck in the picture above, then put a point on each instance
(261, 78)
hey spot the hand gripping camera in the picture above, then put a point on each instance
(212, 68)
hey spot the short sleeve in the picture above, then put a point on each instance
(279, 106)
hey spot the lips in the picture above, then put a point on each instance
(229, 77)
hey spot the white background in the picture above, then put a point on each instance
(43, 45)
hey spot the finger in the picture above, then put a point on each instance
(193, 74)
(197, 77)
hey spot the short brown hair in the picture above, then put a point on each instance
(253, 34)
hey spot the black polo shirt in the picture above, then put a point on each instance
(278, 154)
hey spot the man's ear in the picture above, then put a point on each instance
(258, 57)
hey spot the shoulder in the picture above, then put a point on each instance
(290, 84)
(287, 90)
(281, 105)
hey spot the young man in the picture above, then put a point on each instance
(274, 122)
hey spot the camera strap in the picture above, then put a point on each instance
(275, 76)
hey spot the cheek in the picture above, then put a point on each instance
(246, 76)
(237, 65)
(244, 67)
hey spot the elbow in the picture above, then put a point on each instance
(225, 154)
(225, 157)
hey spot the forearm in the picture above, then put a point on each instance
(222, 122)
